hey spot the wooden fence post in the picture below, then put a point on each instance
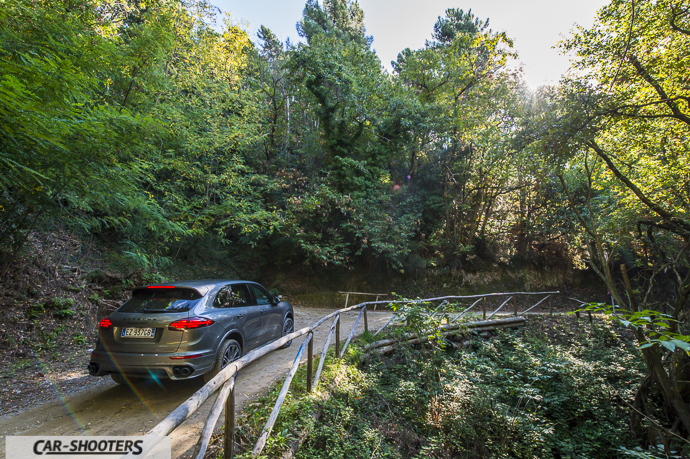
(337, 339)
(310, 362)
(515, 304)
(366, 322)
(484, 309)
(229, 440)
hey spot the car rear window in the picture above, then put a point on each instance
(155, 300)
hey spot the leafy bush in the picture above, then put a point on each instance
(62, 307)
(550, 391)
(35, 310)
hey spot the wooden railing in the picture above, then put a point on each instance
(377, 295)
(225, 379)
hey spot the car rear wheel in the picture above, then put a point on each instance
(118, 378)
(228, 352)
(288, 327)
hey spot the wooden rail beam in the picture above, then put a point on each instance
(261, 442)
(386, 324)
(499, 308)
(186, 409)
(325, 351)
(366, 321)
(337, 339)
(538, 303)
(310, 363)
(352, 333)
(468, 309)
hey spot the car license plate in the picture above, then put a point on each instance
(130, 332)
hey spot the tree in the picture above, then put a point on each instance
(616, 139)
(461, 79)
(125, 118)
(69, 140)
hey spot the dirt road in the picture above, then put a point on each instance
(119, 410)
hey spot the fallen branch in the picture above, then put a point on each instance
(492, 324)
(455, 335)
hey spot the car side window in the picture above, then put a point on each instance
(261, 295)
(232, 296)
(240, 295)
(222, 299)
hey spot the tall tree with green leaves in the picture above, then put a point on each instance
(337, 102)
(71, 137)
(461, 79)
(616, 136)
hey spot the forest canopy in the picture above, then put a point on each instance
(160, 127)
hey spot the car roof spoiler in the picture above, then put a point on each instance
(201, 290)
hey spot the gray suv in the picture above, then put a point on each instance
(182, 330)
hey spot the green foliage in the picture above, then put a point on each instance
(614, 136)
(34, 311)
(163, 130)
(62, 147)
(62, 307)
(95, 100)
(342, 19)
(59, 303)
(160, 128)
(556, 389)
(655, 326)
(79, 339)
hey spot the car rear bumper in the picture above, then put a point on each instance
(152, 365)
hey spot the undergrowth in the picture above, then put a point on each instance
(556, 388)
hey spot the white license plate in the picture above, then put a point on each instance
(130, 332)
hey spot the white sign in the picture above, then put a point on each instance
(64, 447)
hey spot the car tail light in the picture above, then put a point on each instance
(105, 323)
(193, 322)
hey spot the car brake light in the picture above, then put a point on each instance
(194, 322)
(105, 323)
(185, 357)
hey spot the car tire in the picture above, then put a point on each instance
(288, 327)
(229, 351)
(117, 378)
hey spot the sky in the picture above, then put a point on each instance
(536, 26)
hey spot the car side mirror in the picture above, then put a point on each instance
(277, 299)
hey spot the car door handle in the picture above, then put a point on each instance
(239, 316)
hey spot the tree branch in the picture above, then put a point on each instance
(675, 13)
(659, 90)
(682, 227)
